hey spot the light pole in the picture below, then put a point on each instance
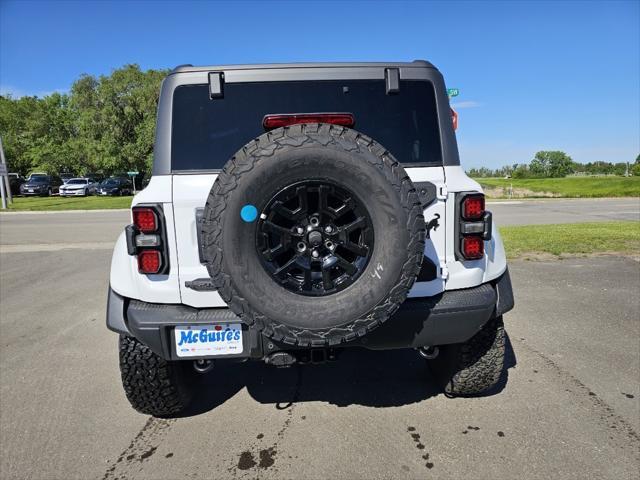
(5, 187)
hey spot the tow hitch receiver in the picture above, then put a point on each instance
(315, 356)
(280, 359)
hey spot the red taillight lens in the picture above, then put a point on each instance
(282, 120)
(473, 207)
(149, 261)
(473, 247)
(145, 220)
(454, 119)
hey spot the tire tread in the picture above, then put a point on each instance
(265, 147)
(153, 385)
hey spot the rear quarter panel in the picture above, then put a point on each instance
(469, 273)
(124, 277)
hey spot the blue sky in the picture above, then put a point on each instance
(533, 75)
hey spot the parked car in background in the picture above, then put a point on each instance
(65, 177)
(15, 180)
(115, 186)
(79, 187)
(40, 184)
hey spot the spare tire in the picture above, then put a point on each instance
(313, 234)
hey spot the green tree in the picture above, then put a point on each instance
(127, 105)
(551, 164)
(16, 138)
(521, 171)
(635, 168)
(106, 124)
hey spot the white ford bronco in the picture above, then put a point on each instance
(296, 210)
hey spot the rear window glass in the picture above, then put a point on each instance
(206, 133)
(38, 179)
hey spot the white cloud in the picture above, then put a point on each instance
(466, 104)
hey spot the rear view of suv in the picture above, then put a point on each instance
(298, 210)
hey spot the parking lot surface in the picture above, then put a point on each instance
(28, 232)
(569, 406)
(564, 210)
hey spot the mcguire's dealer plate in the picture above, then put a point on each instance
(205, 340)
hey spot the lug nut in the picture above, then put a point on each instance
(328, 229)
(299, 230)
(315, 254)
(314, 221)
(301, 247)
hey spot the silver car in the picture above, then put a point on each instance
(78, 187)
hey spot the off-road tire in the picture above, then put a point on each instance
(473, 367)
(154, 386)
(292, 151)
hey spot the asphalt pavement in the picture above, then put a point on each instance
(564, 210)
(28, 232)
(569, 406)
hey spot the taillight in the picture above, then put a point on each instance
(145, 219)
(149, 261)
(147, 240)
(473, 207)
(454, 119)
(282, 120)
(474, 225)
(472, 247)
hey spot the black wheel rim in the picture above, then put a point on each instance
(315, 238)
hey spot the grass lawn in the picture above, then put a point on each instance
(572, 238)
(69, 203)
(564, 187)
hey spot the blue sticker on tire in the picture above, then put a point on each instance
(249, 213)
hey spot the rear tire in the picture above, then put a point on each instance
(473, 367)
(153, 385)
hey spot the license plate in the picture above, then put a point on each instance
(30, 191)
(205, 340)
(103, 193)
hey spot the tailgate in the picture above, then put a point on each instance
(190, 193)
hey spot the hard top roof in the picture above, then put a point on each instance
(207, 68)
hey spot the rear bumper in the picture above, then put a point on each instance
(451, 317)
(34, 194)
(73, 193)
